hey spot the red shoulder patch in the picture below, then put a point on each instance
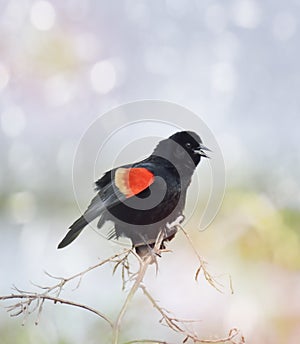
(132, 181)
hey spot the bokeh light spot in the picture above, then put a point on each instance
(246, 14)
(103, 76)
(22, 206)
(177, 7)
(58, 91)
(164, 60)
(4, 76)
(223, 77)
(20, 157)
(86, 46)
(226, 46)
(42, 15)
(284, 26)
(13, 121)
(65, 157)
(215, 18)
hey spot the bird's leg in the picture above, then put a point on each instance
(176, 222)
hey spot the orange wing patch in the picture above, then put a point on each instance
(131, 181)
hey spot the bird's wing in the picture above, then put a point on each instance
(113, 187)
(122, 183)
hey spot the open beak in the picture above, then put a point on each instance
(201, 150)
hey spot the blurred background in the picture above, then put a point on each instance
(236, 65)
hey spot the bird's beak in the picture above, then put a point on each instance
(201, 150)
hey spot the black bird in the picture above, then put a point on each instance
(145, 197)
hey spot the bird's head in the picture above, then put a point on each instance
(184, 146)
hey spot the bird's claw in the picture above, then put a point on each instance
(176, 222)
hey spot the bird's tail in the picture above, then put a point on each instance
(94, 210)
(75, 230)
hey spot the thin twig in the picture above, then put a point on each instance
(139, 278)
(171, 322)
(149, 341)
(144, 264)
(36, 297)
(34, 301)
(176, 324)
(59, 286)
(31, 302)
(202, 267)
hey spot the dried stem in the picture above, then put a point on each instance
(149, 341)
(33, 302)
(177, 325)
(144, 264)
(59, 286)
(24, 305)
(138, 280)
(202, 267)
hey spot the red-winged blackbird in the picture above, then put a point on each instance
(143, 198)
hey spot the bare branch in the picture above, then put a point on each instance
(40, 300)
(202, 267)
(30, 302)
(144, 264)
(177, 325)
(57, 288)
(149, 341)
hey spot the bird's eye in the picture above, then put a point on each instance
(188, 145)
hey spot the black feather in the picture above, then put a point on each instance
(141, 217)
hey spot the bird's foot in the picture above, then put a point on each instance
(176, 222)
